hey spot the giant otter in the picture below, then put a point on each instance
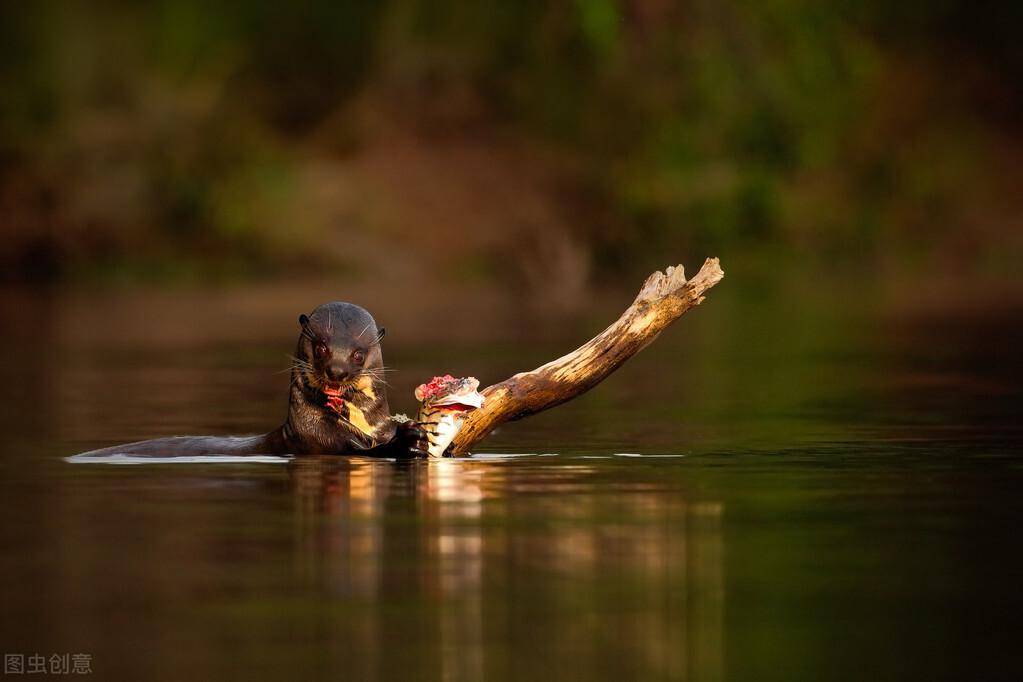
(337, 405)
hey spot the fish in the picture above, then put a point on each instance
(444, 403)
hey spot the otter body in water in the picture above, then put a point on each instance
(337, 402)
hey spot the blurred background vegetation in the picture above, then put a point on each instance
(545, 143)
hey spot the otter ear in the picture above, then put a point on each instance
(303, 319)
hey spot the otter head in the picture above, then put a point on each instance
(338, 399)
(338, 350)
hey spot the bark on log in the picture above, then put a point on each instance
(664, 298)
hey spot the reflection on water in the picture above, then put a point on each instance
(822, 486)
(606, 585)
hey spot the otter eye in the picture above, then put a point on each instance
(358, 357)
(320, 350)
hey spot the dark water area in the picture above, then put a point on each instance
(792, 483)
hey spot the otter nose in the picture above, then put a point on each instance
(336, 372)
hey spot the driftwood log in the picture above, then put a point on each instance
(664, 298)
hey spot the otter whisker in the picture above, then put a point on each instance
(297, 363)
(378, 379)
(379, 375)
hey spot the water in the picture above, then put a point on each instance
(784, 486)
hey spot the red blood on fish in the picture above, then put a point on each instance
(457, 407)
(434, 386)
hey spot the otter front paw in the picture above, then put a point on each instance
(411, 440)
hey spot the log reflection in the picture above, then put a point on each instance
(469, 569)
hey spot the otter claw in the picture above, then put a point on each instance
(412, 441)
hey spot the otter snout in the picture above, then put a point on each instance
(337, 373)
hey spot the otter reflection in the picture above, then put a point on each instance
(452, 565)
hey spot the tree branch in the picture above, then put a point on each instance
(664, 298)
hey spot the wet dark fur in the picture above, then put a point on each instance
(341, 329)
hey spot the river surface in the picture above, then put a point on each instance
(792, 483)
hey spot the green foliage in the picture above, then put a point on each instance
(727, 123)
